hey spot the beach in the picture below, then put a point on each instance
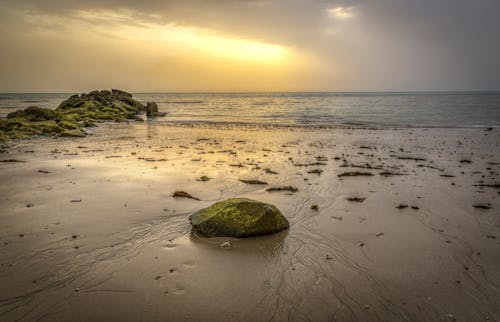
(393, 224)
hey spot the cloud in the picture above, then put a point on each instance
(341, 13)
(386, 44)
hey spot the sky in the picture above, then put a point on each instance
(252, 45)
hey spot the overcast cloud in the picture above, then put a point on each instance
(68, 45)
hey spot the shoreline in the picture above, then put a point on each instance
(256, 126)
(296, 109)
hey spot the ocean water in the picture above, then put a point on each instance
(457, 109)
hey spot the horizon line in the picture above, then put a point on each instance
(280, 92)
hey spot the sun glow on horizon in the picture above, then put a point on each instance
(161, 54)
(188, 39)
(209, 42)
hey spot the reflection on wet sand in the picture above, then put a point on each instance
(268, 246)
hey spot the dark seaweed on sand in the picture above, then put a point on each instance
(183, 194)
(283, 188)
(355, 174)
(252, 181)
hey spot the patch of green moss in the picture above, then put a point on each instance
(3, 137)
(34, 113)
(89, 105)
(239, 217)
(68, 125)
(71, 117)
(14, 123)
(48, 127)
(123, 106)
(104, 116)
(73, 111)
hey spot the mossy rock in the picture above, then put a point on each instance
(74, 111)
(69, 118)
(34, 113)
(48, 127)
(69, 125)
(239, 217)
(124, 106)
(14, 123)
(89, 105)
(18, 135)
(3, 137)
(108, 116)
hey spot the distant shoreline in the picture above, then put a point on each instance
(457, 92)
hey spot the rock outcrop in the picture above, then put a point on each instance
(114, 105)
(239, 217)
(73, 115)
(152, 110)
(38, 121)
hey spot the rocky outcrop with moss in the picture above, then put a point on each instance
(74, 115)
(239, 217)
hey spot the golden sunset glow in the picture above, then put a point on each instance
(231, 45)
(207, 42)
(186, 38)
(164, 55)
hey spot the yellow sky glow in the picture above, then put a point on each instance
(187, 38)
(145, 52)
(199, 40)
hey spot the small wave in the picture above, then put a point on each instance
(183, 102)
(261, 103)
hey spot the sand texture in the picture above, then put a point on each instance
(385, 225)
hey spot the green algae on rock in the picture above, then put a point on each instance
(73, 115)
(238, 217)
(114, 105)
(37, 121)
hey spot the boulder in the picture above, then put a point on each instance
(151, 109)
(239, 217)
(120, 92)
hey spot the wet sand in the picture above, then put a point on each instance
(89, 229)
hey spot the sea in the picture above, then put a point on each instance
(330, 109)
